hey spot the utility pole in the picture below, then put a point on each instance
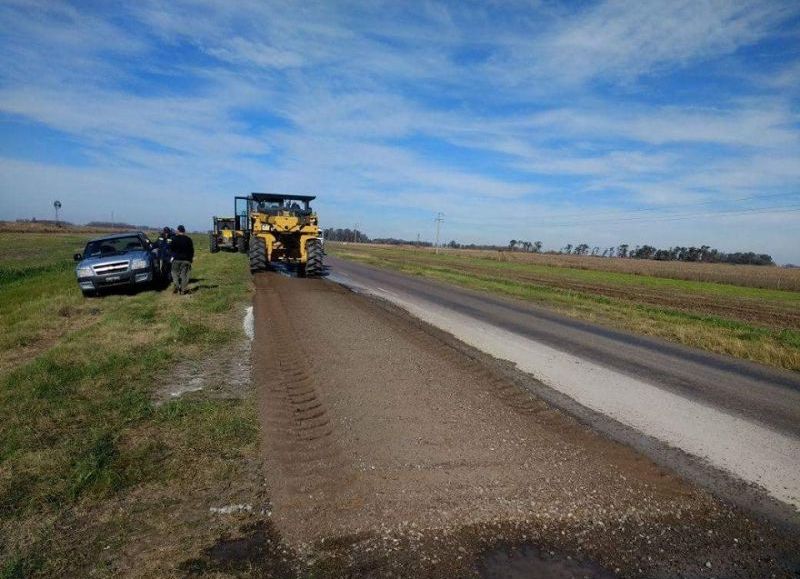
(439, 219)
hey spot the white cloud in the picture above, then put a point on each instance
(190, 102)
(194, 125)
(239, 50)
(628, 38)
(752, 126)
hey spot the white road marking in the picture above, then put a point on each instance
(743, 448)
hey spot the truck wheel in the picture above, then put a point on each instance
(258, 254)
(314, 264)
(243, 243)
(213, 244)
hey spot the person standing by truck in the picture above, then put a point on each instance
(162, 245)
(182, 250)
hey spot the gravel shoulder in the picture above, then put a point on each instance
(384, 441)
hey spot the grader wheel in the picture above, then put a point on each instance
(314, 264)
(213, 244)
(258, 254)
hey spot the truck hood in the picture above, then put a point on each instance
(127, 256)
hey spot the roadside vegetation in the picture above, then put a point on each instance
(102, 471)
(692, 263)
(741, 275)
(753, 323)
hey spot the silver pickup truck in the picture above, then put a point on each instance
(121, 260)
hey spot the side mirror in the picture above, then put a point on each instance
(77, 257)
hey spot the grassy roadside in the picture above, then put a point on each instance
(96, 477)
(678, 310)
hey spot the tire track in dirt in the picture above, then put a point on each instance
(300, 441)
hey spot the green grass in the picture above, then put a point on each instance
(79, 430)
(35, 277)
(774, 346)
(32, 250)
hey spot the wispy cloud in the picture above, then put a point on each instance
(624, 39)
(504, 116)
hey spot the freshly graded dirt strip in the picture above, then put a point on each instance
(380, 436)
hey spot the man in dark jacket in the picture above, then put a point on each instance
(182, 250)
(162, 245)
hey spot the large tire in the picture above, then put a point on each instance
(213, 243)
(243, 243)
(314, 252)
(258, 254)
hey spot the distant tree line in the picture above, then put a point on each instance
(513, 245)
(530, 247)
(46, 222)
(356, 236)
(120, 225)
(704, 253)
(353, 235)
(395, 241)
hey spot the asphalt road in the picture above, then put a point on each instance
(708, 400)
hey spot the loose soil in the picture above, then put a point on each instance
(390, 452)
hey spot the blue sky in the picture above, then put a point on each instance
(599, 122)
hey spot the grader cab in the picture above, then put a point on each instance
(281, 229)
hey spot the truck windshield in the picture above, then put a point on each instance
(288, 204)
(113, 246)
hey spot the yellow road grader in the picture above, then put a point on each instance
(281, 229)
(225, 235)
